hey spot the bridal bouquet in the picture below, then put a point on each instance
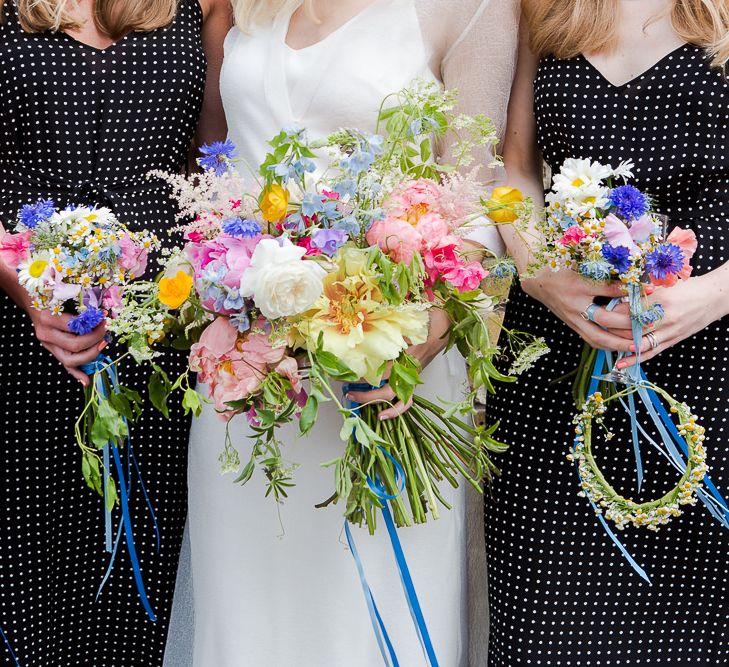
(285, 288)
(608, 232)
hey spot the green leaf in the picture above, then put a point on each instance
(335, 368)
(91, 472)
(108, 425)
(425, 150)
(111, 494)
(309, 415)
(247, 472)
(159, 390)
(191, 402)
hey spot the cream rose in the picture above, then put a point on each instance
(280, 281)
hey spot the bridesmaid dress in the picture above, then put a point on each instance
(84, 126)
(559, 590)
(277, 585)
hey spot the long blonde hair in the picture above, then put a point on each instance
(251, 12)
(566, 28)
(112, 17)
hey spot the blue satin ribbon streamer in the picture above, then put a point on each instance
(104, 366)
(406, 579)
(10, 648)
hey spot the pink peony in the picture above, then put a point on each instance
(257, 350)
(432, 227)
(466, 278)
(399, 239)
(574, 234)
(15, 248)
(133, 258)
(413, 200)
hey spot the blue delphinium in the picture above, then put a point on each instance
(596, 269)
(31, 215)
(666, 260)
(86, 321)
(349, 225)
(628, 202)
(217, 156)
(346, 188)
(283, 170)
(312, 203)
(241, 321)
(241, 227)
(618, 257)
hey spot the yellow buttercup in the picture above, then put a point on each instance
(274, 203)
(173, 292)
(504, 204)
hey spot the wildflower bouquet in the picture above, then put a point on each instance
(608, 232)
(297, 283)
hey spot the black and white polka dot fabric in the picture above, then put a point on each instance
(560, 591)
(85, 125)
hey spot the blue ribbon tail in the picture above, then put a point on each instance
(383, 639)
(601, 359)
(10, 648)
(129, 535)
(107, 511)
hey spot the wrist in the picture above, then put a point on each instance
(718, 289)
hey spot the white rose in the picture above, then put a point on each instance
(280, 281)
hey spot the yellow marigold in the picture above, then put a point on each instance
(274, 203)
(173, 292)
(503, 203)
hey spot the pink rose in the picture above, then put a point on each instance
(133, 257)
(466, 278)
(574, 235)
(15, 248)
(399, 239)
(441, 257)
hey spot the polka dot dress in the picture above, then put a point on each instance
(85, 125)
(560, 591)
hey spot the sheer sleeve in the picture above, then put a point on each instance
(473, 48)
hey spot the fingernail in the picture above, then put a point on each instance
(650, 289)
(383, 418)
(102, 345)
(348, 397)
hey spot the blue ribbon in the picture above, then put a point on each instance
(416, 612)
(10, 648)
(104, 366)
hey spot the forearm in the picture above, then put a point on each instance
(718, 288)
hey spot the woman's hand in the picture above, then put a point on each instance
(568, 295)
(71, 350)
(440, 324)
(690, 306)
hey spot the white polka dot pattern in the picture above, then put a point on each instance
(559, 590)
(85, 125)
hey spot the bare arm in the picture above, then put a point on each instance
(218, 21)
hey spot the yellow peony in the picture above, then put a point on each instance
(355, 323)
(173, 292)
(274, 203)
(503, 202)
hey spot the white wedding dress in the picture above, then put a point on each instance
(276, 585)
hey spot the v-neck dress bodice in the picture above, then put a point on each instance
(337, 82)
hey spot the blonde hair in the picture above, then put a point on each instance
(113, 17)
(567, 28)
(251, 12)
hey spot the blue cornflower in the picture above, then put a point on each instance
(31, 215)
(217, 156)
(86, 321)
(618, 257)
(629, 202)
(652, 315)
(242, 227)
(241, 321)
(666, 260)
(596, 269)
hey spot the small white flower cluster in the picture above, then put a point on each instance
(623, 511)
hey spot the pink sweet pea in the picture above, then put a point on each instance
(574, 234)
(617, 233)
(112, 300)
(133, 258)
(686, 240)
(15, 248)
